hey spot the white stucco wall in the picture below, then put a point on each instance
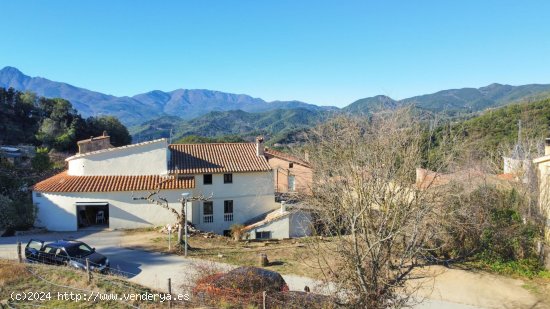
(279, 229)
(57, 211)
(252, 195)
(296, 224)
(149, 158)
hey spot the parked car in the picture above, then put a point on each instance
(66, 252)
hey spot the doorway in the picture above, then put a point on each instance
(92, 215)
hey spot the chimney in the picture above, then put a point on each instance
(547, 147)
(306, 156)
(260, 147)
(95, 143)
(283, 207)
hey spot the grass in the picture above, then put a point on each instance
(51, 280)
(290, 256)
(524, 268)
(536, 279)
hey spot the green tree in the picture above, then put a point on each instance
(41, 161)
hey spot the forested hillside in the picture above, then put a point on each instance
(494, 132)
(52, 123)
(273, 124)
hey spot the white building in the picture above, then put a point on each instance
(102, 184)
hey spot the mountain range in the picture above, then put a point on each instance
(183, 103)
(215, 113)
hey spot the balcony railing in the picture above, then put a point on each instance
(228, 217)
(208, 218)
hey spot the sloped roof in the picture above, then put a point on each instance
(63, 182)
(216, 158)
(286, 157)
(265, 218)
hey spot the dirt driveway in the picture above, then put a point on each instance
(482, 289)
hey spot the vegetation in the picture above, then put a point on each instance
(365, 200)
(493, 133)
(46, 281)
(51, 123)
(195, 139)
(231, 125)
(48, 124)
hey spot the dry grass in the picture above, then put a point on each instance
(285, 256)
(51, 280)
(10, 273)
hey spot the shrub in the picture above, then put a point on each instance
(18, 213)
(41, 161)
(237, 231)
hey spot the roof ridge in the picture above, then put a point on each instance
(80, 155)
(241, 143)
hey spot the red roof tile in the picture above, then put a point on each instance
(63, 182)
(216, 158)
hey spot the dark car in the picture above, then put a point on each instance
(66, 252)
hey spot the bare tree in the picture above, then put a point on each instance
(155, 198)
(378, 220)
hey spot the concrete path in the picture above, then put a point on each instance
(153, 269)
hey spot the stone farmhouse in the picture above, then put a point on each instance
(102, 181)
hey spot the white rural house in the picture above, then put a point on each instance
(101, 182)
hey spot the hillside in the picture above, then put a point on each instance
(240, 123)
(495, 131)
(455, 102)
(184, 103)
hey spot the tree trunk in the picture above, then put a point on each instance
(180, 233)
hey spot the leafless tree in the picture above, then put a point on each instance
(155, 198)
(378, 220)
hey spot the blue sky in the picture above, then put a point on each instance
(322, 52)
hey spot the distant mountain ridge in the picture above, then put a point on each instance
(188, 104)
(452, 101)
(184, 103)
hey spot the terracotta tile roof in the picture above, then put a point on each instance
(286, 156)
(216, 158)
(63, 182)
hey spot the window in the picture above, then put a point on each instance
(227, 178)
(228, 210)
(207, 179)
(263, 235)
(291, 183)
(290, 165)
(208, 212)
(38, 194)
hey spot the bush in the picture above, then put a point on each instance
(486, 224)
(237, 231)
(17, 213)
(41, 161)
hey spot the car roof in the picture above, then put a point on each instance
(64, 243)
